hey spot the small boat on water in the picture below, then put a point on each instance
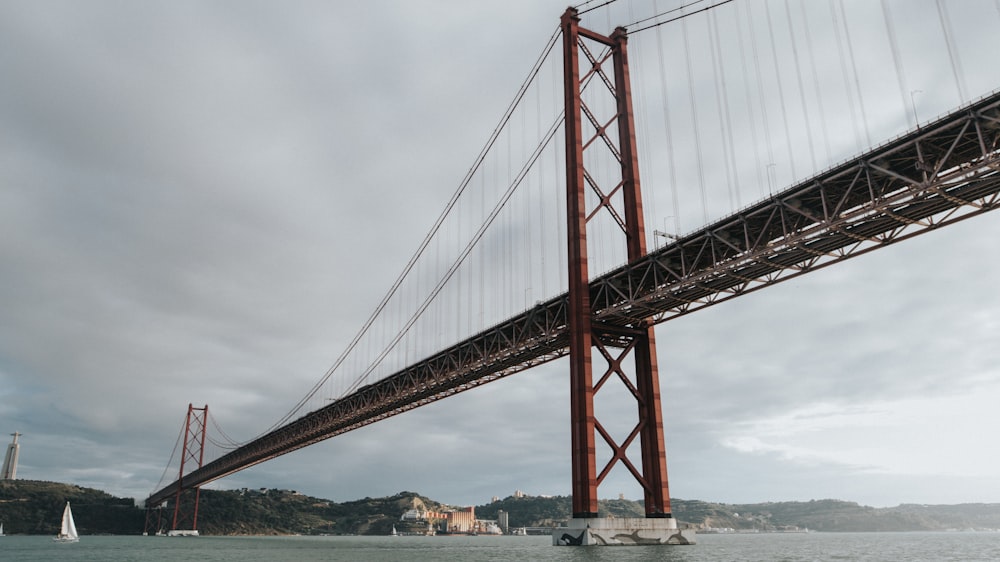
(67, 532)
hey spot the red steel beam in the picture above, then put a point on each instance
(654, 456)
(581, 393)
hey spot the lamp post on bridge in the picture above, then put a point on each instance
(913, 104)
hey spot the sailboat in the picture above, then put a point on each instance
(1, 530)
(67, 533)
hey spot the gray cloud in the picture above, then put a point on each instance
(202, 203)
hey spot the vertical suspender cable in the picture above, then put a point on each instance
(802, 89)
(540, 181)
(781, 94)
(694, 118)
(763, 103)
(557, 214)
(482, 268)
(898, 61)
(854, 67)
(722, 107)
(650, 208)
(752, 118)
(956, 62)
(816, 85)
(672, 168)
(527, 217)
(847, 82)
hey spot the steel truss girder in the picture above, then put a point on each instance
(940, 174)
(937, 175)
(536, 336)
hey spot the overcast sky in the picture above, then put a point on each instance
(202, 202)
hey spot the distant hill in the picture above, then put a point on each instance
(815, 515)
(34, 507)
(838, 516)
(270, 512)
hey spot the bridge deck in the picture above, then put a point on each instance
(938, 174)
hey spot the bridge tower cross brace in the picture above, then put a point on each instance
(637, 340)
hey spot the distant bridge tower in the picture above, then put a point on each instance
(10, 461)
(612, 139)
(186, 512)
(185, 515)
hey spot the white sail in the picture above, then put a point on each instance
(68, 525)
(67, 532)
(1, 529)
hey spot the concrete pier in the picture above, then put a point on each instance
(624, 531)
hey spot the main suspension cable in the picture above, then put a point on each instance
(461, 258)
(430, 235)
(591, 9)
(680, 17)
(163, 477)
(229, 443)
(665, 12)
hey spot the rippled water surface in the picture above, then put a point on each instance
(770, 547)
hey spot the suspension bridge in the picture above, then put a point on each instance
(475, 303)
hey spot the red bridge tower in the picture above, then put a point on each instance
(614, 343)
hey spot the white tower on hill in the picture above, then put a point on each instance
(10, 461)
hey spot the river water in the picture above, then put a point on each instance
(737, 547)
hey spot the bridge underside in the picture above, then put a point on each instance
(944, 172)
